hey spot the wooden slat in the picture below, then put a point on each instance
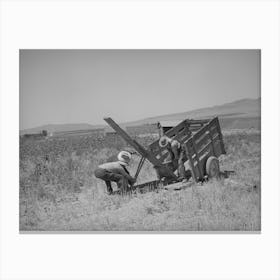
(191, 162)
(200, 168)
(183, 133)
(204, 144)
(209, 134)
(185, 138)
(196, 125)
(211, 126)
(205, 139)
(178, 186)
(202, 138)
(207, 151)
(202, 131)
(205, 121)
(141, 150)
(173, 131)
(217, 148)
(154, 183)
(194, 129)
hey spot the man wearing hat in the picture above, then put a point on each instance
(176, 156)
(116, 172)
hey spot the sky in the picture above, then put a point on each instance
(84, 86)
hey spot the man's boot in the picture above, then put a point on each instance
(109, 187)
(123, 185)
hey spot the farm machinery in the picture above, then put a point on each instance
(202, 141)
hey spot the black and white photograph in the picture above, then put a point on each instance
(139, 139)
(162, 140)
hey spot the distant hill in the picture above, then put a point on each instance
(245, 108)
(244, 113)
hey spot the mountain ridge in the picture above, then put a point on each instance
(242, 108)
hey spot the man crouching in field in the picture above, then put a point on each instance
(116, 172)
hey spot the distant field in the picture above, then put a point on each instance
(241, 123)
(58, 190)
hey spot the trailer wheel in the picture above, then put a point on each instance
(212, 167)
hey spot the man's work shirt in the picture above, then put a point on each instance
(116, 167)
(175, 148)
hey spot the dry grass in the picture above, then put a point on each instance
(65, 195)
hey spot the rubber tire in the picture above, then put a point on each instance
(212, 167)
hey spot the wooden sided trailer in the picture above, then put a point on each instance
(203, 150)
(203, 144)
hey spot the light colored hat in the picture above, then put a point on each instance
(163, 141)
(124, 157)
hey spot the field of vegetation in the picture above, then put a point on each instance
(58, 190)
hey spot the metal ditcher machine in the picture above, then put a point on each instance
(203, 143)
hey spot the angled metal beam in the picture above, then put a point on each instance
(140, 165)
(140, 149)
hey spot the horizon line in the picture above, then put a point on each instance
(104, 125)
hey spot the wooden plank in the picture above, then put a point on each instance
(209, 134)
(201, 136)
(190, 158)
(203, 144)
(173, 131)
(208, 147)
(200, 168)
(200, 139)
(195, 128)
(154, 183)
(182, 134)
(202, 131)
(203, 140)
(197, 125)
(178, 186)
(185, 138)
(205, 121)
(148, 186)
(141, 150)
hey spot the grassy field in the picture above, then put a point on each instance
(59, 192)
